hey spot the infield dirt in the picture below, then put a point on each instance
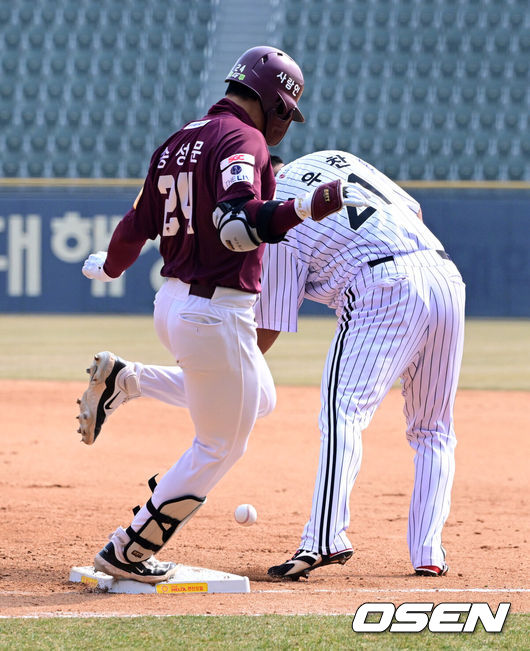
(61, 499)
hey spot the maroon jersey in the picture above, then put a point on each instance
(219, 157)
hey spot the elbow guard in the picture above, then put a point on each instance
(234, 230)
(237, 233)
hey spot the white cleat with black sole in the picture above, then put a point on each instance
(112, 382)
(149, 571)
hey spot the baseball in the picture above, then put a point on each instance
(245, 515)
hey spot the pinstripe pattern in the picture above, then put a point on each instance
(401, 319)
(329, 252)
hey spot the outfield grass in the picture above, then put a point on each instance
(59, 347)
(496, 354)
(241, 632)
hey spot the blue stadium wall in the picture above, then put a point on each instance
(46, 233)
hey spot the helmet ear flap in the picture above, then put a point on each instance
(276, 125)
(284, 112)
(280, 107)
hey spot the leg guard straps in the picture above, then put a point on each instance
(152, 485)
(158, 529)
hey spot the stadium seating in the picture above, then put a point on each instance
(423, 88)
(441, 86)
(74, 75)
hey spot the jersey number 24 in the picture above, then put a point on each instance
(184, 188)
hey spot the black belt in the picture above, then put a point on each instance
(204, 291)
(389, 258)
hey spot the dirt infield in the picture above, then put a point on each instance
(62, 498)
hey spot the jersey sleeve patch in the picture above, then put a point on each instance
(237, 168)
(196, 125)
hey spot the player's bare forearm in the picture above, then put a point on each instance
(266, 338)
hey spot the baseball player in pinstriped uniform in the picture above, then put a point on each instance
(208, 194)
(399, 301)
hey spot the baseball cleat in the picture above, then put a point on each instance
(432, 570)
(149, 571)
(112, 381)
(304, 562)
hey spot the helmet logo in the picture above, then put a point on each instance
(237, 72)
(289, 83)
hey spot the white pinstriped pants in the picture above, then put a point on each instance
(401, 319)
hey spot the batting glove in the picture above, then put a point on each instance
(332, 197)
(93, 267)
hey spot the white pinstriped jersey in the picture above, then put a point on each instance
(319, 259)
(400, 318)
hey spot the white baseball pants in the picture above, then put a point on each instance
(401, 319)
(223, 380)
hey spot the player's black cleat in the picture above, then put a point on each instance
(304, 562)
(149, 571)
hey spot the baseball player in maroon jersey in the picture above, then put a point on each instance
(208, 195)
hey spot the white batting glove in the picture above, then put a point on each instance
(355, 195)
(93, 267)
(331, 197)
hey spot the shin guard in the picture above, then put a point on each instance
(158, 529)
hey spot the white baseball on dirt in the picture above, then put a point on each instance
(245, 515)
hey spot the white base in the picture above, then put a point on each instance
(186, 580)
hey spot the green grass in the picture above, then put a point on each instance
(241, 632)
(59, 347)
(496, 354)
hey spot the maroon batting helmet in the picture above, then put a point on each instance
(278, 82)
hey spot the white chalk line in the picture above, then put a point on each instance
(56, 615)
(344, 590)
(405, 590)
(339, 591)
(87, 615)
(49, 615)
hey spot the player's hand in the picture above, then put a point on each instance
(331, 197)
(355, 195)
(93, 267)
